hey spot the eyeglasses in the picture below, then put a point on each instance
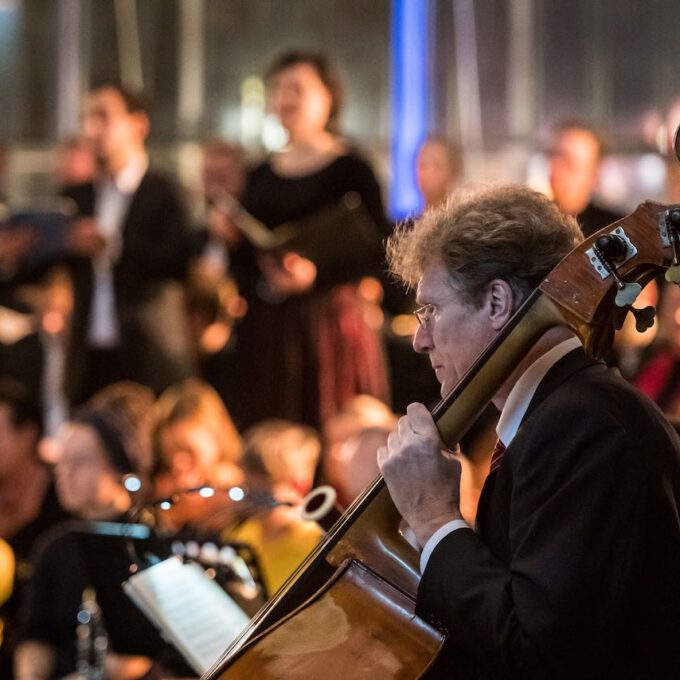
(424, 315)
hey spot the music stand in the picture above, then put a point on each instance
(109, 550)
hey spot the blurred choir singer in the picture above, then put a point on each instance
(130, 249)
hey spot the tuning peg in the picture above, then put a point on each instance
(614, 247)
(644, 318)
(672, 274)
(627, 293)
(611, 248)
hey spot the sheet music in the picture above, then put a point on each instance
(256, 232)
(196, 615)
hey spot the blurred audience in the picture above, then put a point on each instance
(7, 570)
(306, 344)
(213, 302)
(131, 248)
(223, 176)
(437, 170)
(672, 179)
(20, 347)
(351, 439)
(195, 443)
(75, 163)
(4, 170)
(28, 504)
(40, 361)
(279, 459)
(99, 447)
(21, 355)
(223, 168)
(16, 242)
(214, 307)
(574, 154)
(630, 346)
(659, 373)
(132, 405)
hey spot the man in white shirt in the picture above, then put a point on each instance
(132, 247)
(573, 566)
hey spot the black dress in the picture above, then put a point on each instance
(302, 358)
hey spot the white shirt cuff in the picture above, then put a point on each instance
(437, 536)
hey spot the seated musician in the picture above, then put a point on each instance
(97, 448)
(572, 569)
(351, 438)
(195, 443)
(279, 458)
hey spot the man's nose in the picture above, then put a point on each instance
(422, 340)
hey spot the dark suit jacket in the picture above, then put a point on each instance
(147, 282)
(574, 571)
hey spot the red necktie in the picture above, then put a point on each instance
(497, 455)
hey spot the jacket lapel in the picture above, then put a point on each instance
(559, 373)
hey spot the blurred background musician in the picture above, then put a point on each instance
(99, 447)
(575, 154)
(279, 458)
(195, 443)
(213, 302)
(75, 163)
(659, 373)
(28, 504)
(438, 169)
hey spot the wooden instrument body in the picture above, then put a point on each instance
(349, 611)
(382, 638)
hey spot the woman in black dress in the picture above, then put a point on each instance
(308, 344)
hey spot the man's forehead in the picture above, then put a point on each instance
(434, 283)
(577, 142)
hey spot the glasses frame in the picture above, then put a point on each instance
(424, 315)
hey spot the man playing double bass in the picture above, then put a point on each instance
(572, 569)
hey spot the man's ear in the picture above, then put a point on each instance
(500, 300)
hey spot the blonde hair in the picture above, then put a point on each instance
(282, 451)
(486, 232)
(196, 401)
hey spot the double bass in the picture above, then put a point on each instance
(349, 610)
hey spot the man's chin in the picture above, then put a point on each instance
(446, 381)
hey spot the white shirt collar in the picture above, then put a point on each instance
(523, 391)
(127, 181)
